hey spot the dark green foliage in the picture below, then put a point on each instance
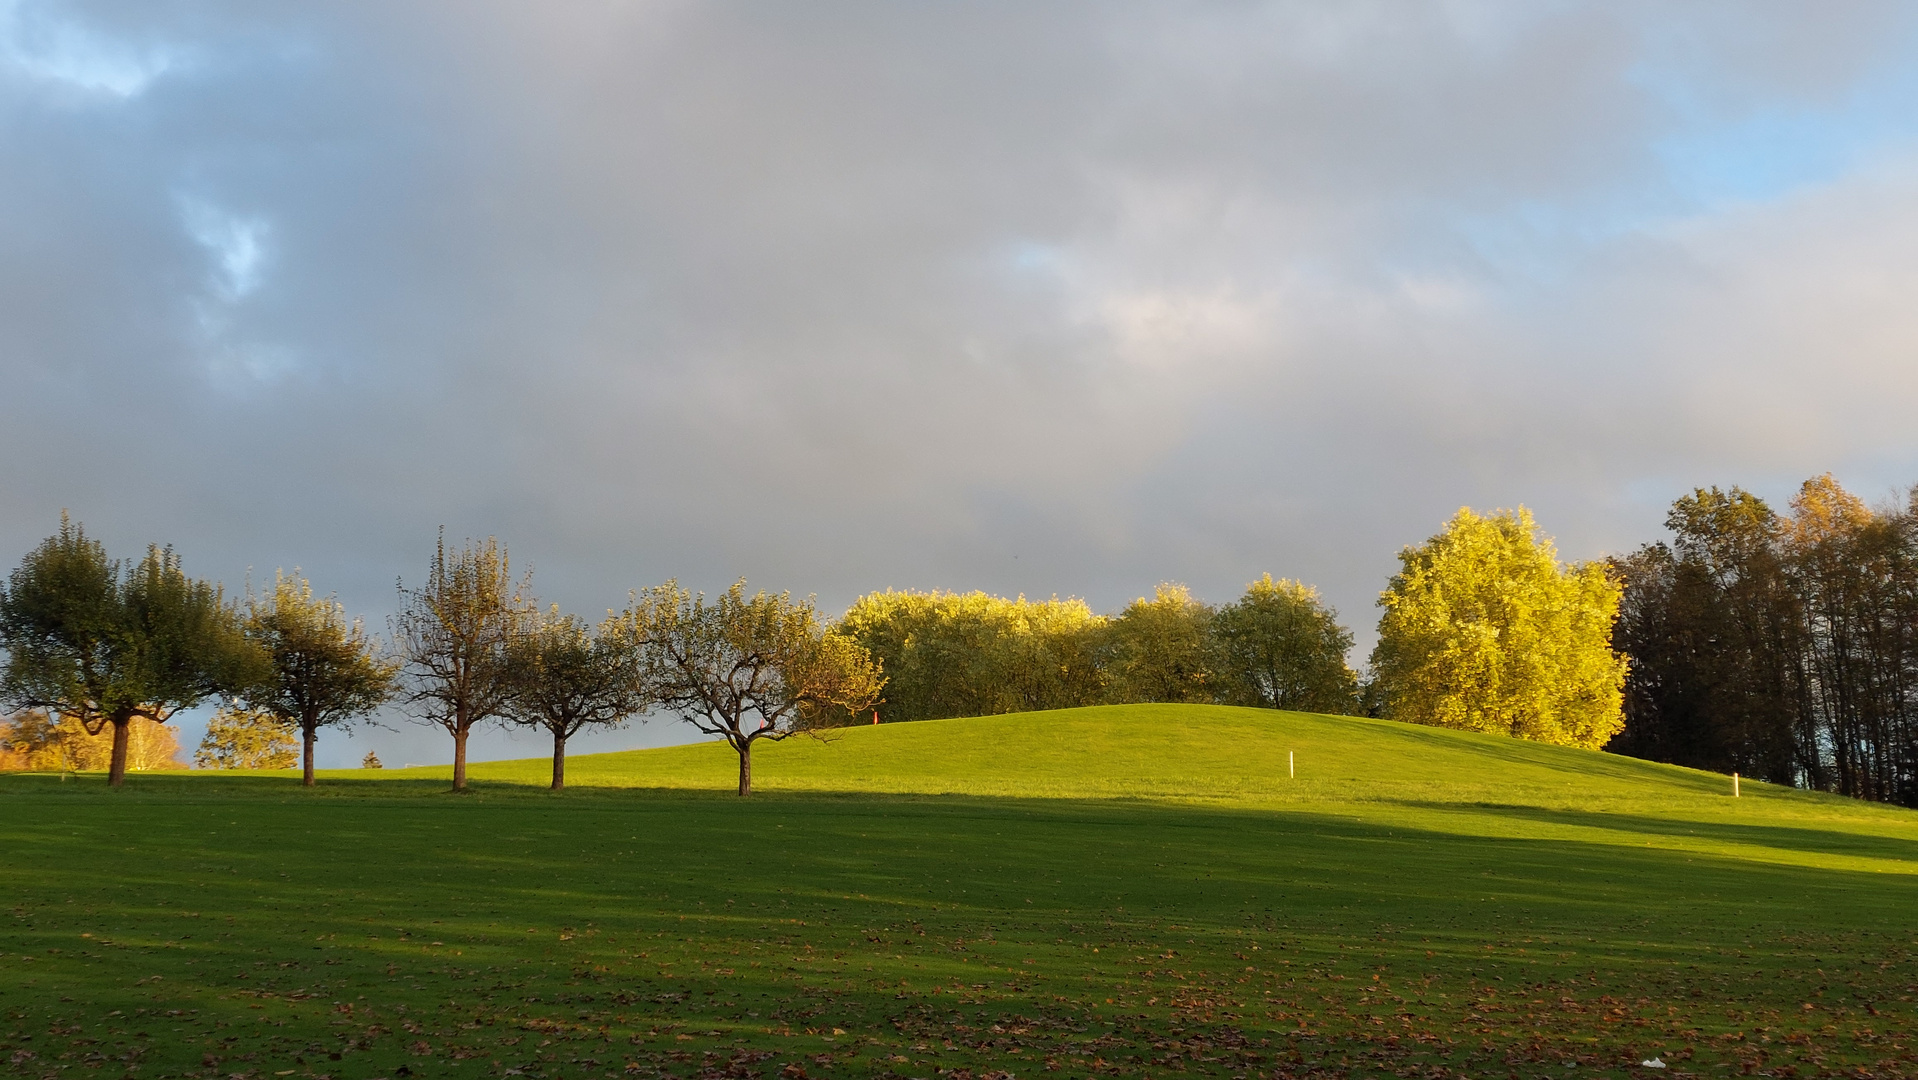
(566, 678)
(103, 643)
(1279, 647)
(1778, 646)
(1160, 650)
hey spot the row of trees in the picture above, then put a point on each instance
(1483, 629)
(1780, 646)
(1783, 646)
(112, 647)
(969, 654)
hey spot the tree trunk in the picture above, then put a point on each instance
(559, 761)
(117, 772)
(746, 770)
(311, 733)
(459, 758)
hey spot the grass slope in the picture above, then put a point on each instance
(1128, 891)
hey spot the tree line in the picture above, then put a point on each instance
(969, 654)
(1778, 645)
(115, 647)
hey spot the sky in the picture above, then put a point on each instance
(1066, 298)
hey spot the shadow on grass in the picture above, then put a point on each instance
(657, 913)
(1833, 841)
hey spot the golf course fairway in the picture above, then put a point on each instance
(1135, 891)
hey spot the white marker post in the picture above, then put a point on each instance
(1734, 785)
(1291, 766)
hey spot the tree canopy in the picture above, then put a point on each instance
(454, 635)
(1280, 647)
(102, 643)
(748, 668)
(1484, 630)
(246, 739)
(326, 671)
(970, 654)
(566, 677)
(1778, 645)
(1159, 649)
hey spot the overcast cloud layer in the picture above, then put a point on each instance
(1027, 298)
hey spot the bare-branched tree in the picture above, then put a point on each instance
(746, 668)
(454, 636)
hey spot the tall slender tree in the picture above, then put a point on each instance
(748, 668)
(326, 670)
(454, 636)
(1715, 634)
(104, 644)
(566, 677)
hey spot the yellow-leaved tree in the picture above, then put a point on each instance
(1485, 630)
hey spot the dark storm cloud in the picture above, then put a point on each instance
(1060, 298)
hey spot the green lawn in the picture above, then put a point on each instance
(1133, 891)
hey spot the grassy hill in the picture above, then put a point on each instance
(1125, 891)
(1458, 782)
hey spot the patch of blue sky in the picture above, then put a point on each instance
(51, 48)
(1031, 256)
(1702, 156)
(1776, 151)
(1742, 144)
(236, 244)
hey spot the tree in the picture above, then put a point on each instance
(453, 635)
(1484, 630)
(970, 654)
(566, 678)
(246, 739)
(1159, 649)
(746, 668)
(326, 671)
(105, 644)
(371, 761)
(1781, 646)
(1280, 647)
(34, 740)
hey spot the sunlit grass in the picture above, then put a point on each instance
(1129, 891)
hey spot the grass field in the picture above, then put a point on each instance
(1132, 891)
